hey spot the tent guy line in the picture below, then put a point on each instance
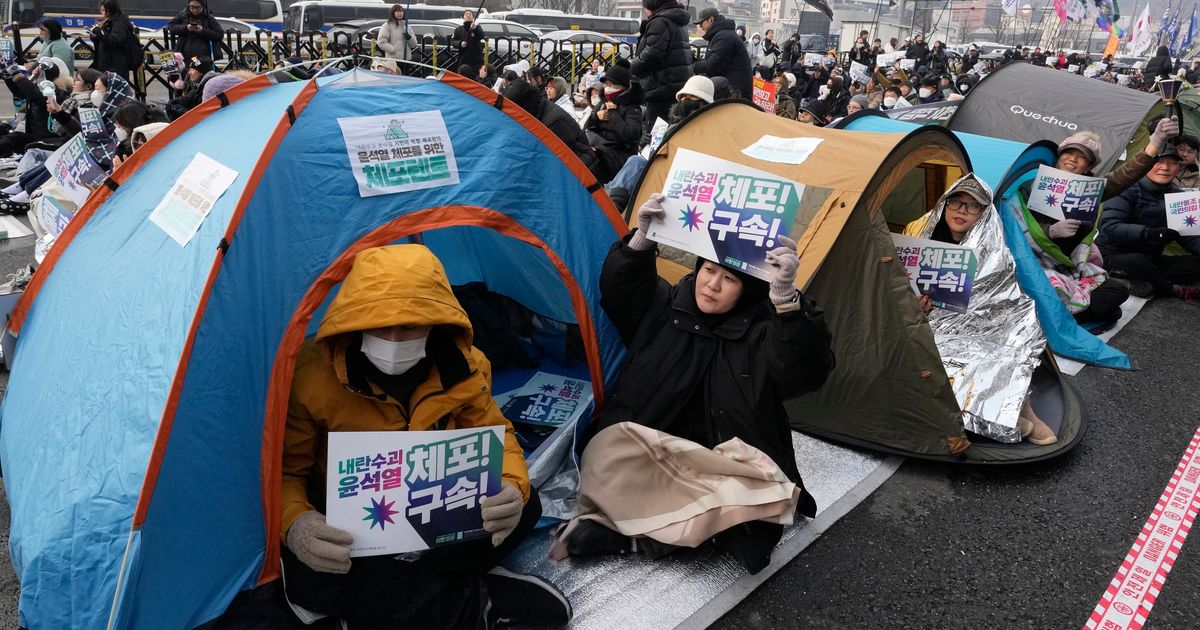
(1131, 594)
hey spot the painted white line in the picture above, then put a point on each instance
(1126, 603)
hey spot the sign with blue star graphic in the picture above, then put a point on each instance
(1062, 195)
(400, 491)
(1183, 212)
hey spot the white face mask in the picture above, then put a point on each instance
(121, 134)
(595, 101)
(925, 92)
(823, 91)
(889, 101)
(97, 99)
(611, 90)
(393, 357)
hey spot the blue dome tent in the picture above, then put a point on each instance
(143, 423)
(1003, 165)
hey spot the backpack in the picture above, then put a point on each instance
(135, 52)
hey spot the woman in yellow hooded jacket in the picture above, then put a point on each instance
(393, 353)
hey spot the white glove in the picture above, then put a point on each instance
(321, 547)
(501, 512)
(1064, 229)
(650, 211)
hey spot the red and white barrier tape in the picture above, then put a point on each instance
(1133, 590)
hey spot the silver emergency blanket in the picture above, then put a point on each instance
(991, 351)
(632, 593)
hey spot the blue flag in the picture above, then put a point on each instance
(1191, 32)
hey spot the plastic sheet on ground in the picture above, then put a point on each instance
(632, 593)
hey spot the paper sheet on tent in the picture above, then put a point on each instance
(1129, 310)
(693, 588)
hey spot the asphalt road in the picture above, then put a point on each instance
(941, 546)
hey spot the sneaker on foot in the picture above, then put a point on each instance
(517, 598)
(1042, 434)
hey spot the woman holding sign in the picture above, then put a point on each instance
(393, 353)
(710, 362)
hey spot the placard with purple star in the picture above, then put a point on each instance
(400, 491)
(1062, 195)
(1183, 212)
(943, 271)
(549, 400)
(726, 212)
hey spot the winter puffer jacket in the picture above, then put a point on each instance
(1125, 218)
(1073, 276)
(662, 62)
(726, 57)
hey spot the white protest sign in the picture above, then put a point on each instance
(980, 67)
(400, 491)
(859, 73)
(188, 202)
(657, 132)
(782, 150)
(1072, 68)
(908, 64)
(1183, 212)
(813, 60)
(1062, 195)
(886, 60)
(725, 212)
(393, 153)
(74, 168)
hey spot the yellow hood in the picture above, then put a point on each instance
(396, 285)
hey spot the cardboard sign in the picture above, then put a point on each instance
(398, 152)
(183, 210)
(1062, 195)
(74, 168)
(813, 60)
(1183, 212)
(764, 95)
(859, 73)
(944, 272)
(400, 491)
(725, 212)
(547, 400)
(92, 123)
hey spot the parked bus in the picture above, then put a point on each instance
(151, 15)
(308, 16)
(623, 29)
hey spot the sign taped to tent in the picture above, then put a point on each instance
(726, 212)
(394, 153)
(183, 210)
(400, 491)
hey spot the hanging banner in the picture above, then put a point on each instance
(1183, 212)
(398, 152)
(1062, 195)
(400, 491)
(942, 271)
(764, 95)
(725, 212)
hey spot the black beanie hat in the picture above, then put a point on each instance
(617, 75)
(203, 65)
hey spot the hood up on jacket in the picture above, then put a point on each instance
(394, 285)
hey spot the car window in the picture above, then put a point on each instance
(491, 29)
(515, 30)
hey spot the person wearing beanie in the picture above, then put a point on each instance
(615, 127)
(929, 92)
(698, 87)
(197, 33)
(220, 83)
(662, 60)
(858, 103)
(199, 73)
(725, 55)
(785, 106)
(675, 388)
(813, 112)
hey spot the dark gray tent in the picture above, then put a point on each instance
(1027, 103)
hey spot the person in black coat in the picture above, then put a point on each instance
(918, 50)
(113, 38)
(468, 39)
(37, 115)
(615, 128)
(555, 119)
(1134, 232)
(726, 55)
(662, 62)
(197, 33)
(713, 358)
(1159, 65)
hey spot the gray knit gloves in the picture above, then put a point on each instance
(783, 262)
(321, 547)
(650, 211)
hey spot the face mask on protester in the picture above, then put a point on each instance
(393, 357)
(121, 134)
(889, 101)
(925, 92)
(823, 91)
(595, 101)
(97, 99)
(612, 90)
